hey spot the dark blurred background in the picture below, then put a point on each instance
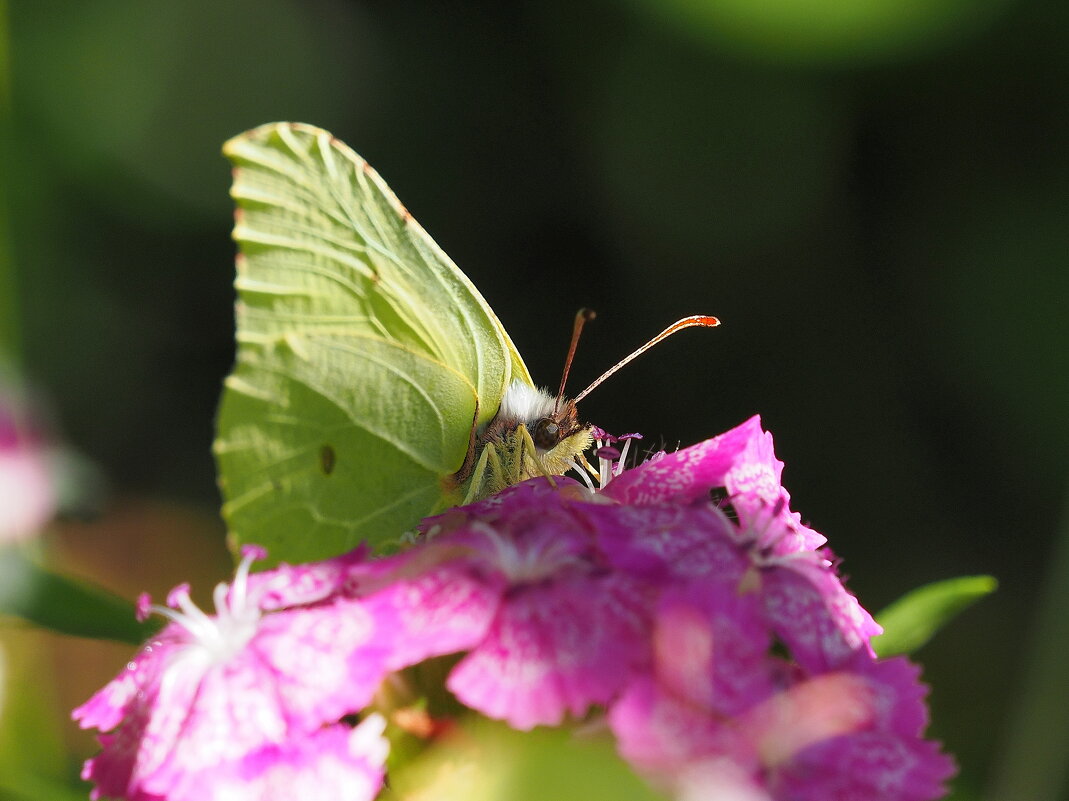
(872, 196)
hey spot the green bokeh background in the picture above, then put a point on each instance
(872, 195)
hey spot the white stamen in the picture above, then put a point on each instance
(235, 620)
(608, 469)
(219, 596)
(241, 580)
(582, 474)
(604, 467)
(619, 466)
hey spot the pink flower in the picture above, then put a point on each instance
(557, 632)
(227, 694)
(807, 606)
(552, 588)
(741, 462)
(688, 474)
(433, 609)
(719, 707)
(650, 599)
(683, 601)
(27, 484)
(765, 542)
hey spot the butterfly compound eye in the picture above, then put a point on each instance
(546, 434)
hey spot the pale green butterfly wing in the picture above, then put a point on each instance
(363, 354)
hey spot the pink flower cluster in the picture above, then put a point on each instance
(714, 638)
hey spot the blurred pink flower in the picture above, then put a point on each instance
(27, 485)
(718, 696)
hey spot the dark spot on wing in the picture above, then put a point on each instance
(327, 459)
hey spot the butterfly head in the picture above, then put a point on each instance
(532, 434)
(551, 430)
(549, 422)
(535, 433)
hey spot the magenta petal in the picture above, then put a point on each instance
(775, 529)
(867, 765)
(656, 733)
(298, 585)
(808, 607)
(441, 611)
(757, 496)
(661, 735)
(528, 544)
(336, 763)
(303, 667)
(324, 661)
(898, 692)
(667, 542)
(112, 769)
(107, 708)
(554, 649)
(526, 499)
(799, 537)
(148, 738)
(711, 648)
(183, 706)
(686, 475)
(744, 464)
(756, 471)
(720, 779)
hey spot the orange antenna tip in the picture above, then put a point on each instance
(696, 320)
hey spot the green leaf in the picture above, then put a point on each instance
(914, 618)
(364, 354)
(64, 604)
(30, 787)
(487, 761)
(827, 31)
(33, 756)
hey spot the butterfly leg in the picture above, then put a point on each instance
(498, 477)
(478, 476)
(529, 465)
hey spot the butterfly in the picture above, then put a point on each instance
(373, 384)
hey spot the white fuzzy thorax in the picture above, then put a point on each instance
(525, 404)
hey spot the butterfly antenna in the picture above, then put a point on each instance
(699, 320)
(581, 318)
